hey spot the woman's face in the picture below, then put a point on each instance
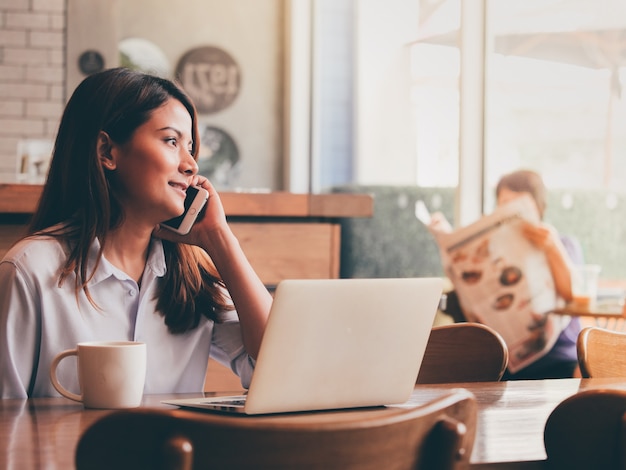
(154, 168)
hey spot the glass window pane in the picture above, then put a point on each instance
(554, 78)
(435, 64)
(435, 99)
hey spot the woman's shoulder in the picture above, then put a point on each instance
(35, 249)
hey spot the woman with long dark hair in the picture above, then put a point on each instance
(97, 265)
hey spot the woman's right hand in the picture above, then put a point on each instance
(209, 226)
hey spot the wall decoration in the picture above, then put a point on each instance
(141, 54)
(211, 77)
(219, 157)
(33, 160)
(90, 62)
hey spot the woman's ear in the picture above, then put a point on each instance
(105, 154)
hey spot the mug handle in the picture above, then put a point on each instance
(53, 375)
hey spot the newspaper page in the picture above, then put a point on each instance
(503, 281)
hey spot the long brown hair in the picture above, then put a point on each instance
(77, 204)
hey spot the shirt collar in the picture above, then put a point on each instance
(155, 263)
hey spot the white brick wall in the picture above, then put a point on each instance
(32, 74)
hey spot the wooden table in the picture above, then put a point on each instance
(512, 416)
(42, 433)
(612, 310)
(606, 315)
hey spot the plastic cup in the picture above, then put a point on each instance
(585, 286)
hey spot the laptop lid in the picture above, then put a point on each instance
(340, 343)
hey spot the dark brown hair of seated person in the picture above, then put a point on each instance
(79, 203)
(527, 181)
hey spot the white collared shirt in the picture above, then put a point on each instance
(39, 319)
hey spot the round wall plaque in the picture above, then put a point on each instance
(90, 62)
(219, 156)
(211, 77)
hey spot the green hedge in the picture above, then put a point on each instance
(393, 243)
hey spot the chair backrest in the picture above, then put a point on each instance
(463, 352)
(588, 430)
(439, 434)
(601, 352)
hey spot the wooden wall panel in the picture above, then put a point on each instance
(290, 250)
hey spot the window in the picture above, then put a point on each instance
(553, 77)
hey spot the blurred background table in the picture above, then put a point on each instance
(608, 314)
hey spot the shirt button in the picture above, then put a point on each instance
(132, 293)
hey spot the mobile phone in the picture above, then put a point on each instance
(194, 203)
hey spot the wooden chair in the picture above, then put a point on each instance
(588, 430)
(463, 352)
(440, 434)
(601, 352)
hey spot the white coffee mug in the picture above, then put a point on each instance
(111, 374)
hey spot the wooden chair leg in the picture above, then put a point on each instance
(444, 447)
(178, 454)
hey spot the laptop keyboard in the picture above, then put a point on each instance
(232, 401)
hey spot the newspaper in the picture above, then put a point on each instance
(504, 281)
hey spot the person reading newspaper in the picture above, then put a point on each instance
(509, 269)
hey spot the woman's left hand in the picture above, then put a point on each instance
(211, 232)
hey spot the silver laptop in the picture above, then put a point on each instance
(337, 343)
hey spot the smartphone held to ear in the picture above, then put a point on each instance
(194, 202)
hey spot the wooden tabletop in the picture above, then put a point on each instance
(43, 432)
(512, 416)
(600, 311)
